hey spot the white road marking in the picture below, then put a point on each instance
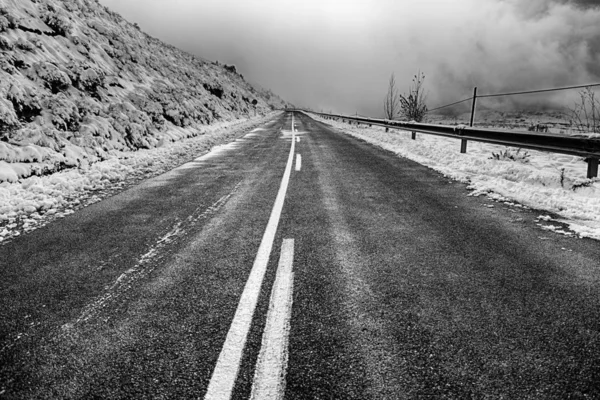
(225, 372)
(298, 161)
(271, 366)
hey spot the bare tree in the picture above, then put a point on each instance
(391, 103)
(412, 104)
(586, 113)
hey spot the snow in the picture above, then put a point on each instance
(543, 181)
(552, 182)
(29, 203)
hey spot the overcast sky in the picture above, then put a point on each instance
(338, 55)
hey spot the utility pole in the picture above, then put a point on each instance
(463, 142)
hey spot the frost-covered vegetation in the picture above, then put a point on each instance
(510, 154)
(79, 84)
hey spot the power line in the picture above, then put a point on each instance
(516, 93)
(451, 104)
(539, 90)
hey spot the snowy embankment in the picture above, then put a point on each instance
(543, 181)
(33, 202)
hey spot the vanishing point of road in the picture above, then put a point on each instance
(299, 263)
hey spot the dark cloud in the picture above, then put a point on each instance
(318, 54)
(525, 45)
(584, 3)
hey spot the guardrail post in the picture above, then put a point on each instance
(463, 146)
(463, 142)
(413, 135)
(592, 171)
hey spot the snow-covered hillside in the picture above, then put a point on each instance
(79, 84)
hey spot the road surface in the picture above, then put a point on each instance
(299, 264)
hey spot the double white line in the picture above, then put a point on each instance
(269, 380)
(269, 376)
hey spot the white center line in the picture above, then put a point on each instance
(225, 372)
(298, 161)
(271, 366)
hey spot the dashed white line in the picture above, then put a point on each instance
(225, 372)
(271, 366)
(298, 161)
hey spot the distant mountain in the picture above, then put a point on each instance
(77, 82)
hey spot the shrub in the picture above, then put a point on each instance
(412, 104)
(20, 62)
(25, 101)
(8, 119)
(135, 136)
(512, 155)
(7, 20)
(215, 89)
(230, 68)
(391, 104)
(7, 66)
(173, 115)
(37, 43)
(91, 79)
(586, 112)
(87, 107)
(102, 29)
(152, 108)
(3, 23)
(562, 178)
(583, 183)
(24, 44)
(59, 23)
(64, 112)
(55, 79)
(71, 6)
(5, 44)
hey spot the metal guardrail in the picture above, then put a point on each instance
(578, 146)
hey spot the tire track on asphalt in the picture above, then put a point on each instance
(369, 334)
(145, 264)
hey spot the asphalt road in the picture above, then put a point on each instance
(401, 286)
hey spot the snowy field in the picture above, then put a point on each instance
(554, 183)
(33, 202)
